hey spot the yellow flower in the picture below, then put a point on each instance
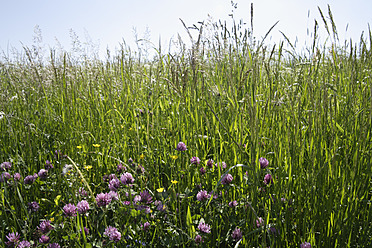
(130, 129)
(121, 126)
(160, 190)
(174, 157)
(79, 147)
(96, 145)
(142, 156)
(174, 181)
(88, 167)
(51, 219)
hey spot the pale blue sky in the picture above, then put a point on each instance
(109, 22)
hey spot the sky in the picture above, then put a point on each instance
(108, 23)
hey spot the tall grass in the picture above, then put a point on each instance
(229, 98)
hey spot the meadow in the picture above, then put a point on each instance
(227, 143)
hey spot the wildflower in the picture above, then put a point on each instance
(54, 245)
(45, 227)
(126, 203)
(69, 210)
(205, 228)
(48, 165)
(198, 239)
(174, 157)
(13, 239)
(79, 147)
(210, 163)
(159, 206)
(222, 165)
(113, 195)
(202, 195)
(88, 167)
(44, 239)
(17, 177)
(24, 244)
(43, 174)
(142, 156)
(120, 168)
(96, 145)
(130, 160)
(263, 162)
(227, 179)
(268, 179)
(174, 181)
(126, 178)
(145, 197)
(233, 204)
(82, 192)
(67, 168)
(112, 233)
(195, 160)
(202, 170)
(160, 190)
(114, 184)
(82, 207)
(259, 222)
(29, 179)
(103, 199)
(33, 206)
(5, 166)
(140, 169)
(145, 226)
(237, 234)
(181, 147)
(5, 177)
(86, 231)
(305, 245)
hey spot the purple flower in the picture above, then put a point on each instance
(120, 168)
(210, 163)
(86, 231)
(195, 160)
(114, 184)
(45, 227)
(112, 233)
(69, 210)
(82, 192)
(13, 239)
(145, 197)
(113, 195)
(263, 162)
(82, 207)
(237, 234)
(48, 165)
(103, 199)
(259, 222)
(233, 204)
(198, 239)
(222, 165)
(202, 195)
(126, 178)
(145, 226)
(24, 244)
(227, 179)
(268, 179)
(54, 245)
(44, 239)
(181, 147)
(205, 228)
(160, 206)
(202, 170)
(33, 206)
(43, 174)
(5, 177)
(130, 160)
(17, 177)
(126, 203)
(305, 245)
(5, 165)
(29, 179)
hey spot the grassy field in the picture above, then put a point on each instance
(231, 143)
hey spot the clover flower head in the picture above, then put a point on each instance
(54, 245)
(44, 239)
(43, 174)
(103, 199)
(268, 179)
(181, 147)
(145, 197)
(126, 178)
(233, 204)
(237, 234)
(33, 206)
(24, 244)
(48, 165)
(227, 179)
(114, 184)
(205, 228)
(202, 195)
(145, 226)
(45, 227)
(5, 165)
(263, 162)
(69, 210)
(112, 233)
(305, 245)
(82, 207)
(198, 239)
(195, 160)
(5, 176)
(13, 239)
